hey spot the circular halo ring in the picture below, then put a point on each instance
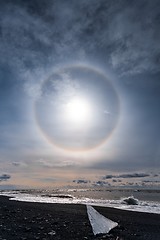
(74, 149)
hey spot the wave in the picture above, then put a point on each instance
(57, 196)
(127, 203)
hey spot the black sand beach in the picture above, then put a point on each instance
(24, 221)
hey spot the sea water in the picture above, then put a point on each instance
(142, 200)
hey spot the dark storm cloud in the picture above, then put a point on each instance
(151, 181)
(4, 177)
(134, 175)
(81, 181)
(101, 183)
(123, 34)
(116, 180)
(130, 175)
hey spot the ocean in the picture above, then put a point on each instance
(141, 200)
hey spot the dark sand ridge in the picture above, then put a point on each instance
(22, 220)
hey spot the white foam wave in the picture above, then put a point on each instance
(141, 206)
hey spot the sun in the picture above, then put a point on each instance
(78, 110)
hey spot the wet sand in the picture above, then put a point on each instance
(24, 221)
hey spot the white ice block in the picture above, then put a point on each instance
(99, 223)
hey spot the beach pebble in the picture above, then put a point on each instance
(120, 228)
(55, 223)
(52, 233)
(27, 229)
(41, 228)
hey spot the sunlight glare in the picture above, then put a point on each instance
(78, 110)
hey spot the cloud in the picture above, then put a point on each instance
(81, 181)
(131, 175)
(109, 176)
(16, 164)
(56, 164)
(19, 164)
(151, 181)
(29, 42)
(4, 177)
(155, 175)
(134, 175)
(64, 87)
(21, 32)
(33, 42)
(101, 183)
(116, 180)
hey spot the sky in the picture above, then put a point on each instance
(79, 93)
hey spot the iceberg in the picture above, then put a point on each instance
(99, 223)
(130, 200)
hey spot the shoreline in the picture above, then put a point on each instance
(28, 220)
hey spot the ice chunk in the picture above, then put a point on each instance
(99, 223)
(130, 200)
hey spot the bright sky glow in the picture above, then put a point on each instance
(77, 102)
(78, 110)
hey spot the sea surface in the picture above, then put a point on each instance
(141, 200)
